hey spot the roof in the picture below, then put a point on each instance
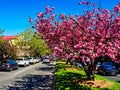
(9, 37)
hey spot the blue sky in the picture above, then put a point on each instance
(14, 13)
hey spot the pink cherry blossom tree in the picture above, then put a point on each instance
(85, 38)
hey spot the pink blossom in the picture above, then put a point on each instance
(116, 8)
(62, 16)
(63, 38)
(52, 16)
(71, 55)
(106, 11)
(86, 3)
(94, 4)
(95, 33)
(77, 46)
(58, 49)
(41, 14)
(62, 44)
(71, 16)
(48, 10)
(36, 20)
(53, 8)
(30, 20)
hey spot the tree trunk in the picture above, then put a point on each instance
(90, 76)
(89, 70)
(68, 60)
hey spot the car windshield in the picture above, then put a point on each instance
(108, 63)
(19, 59)
(31, 58)
(28, 58)
(108, 66)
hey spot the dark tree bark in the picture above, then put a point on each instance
(89, 69)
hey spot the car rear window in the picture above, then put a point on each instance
(4, 61)
(29, 58)
(19, 59)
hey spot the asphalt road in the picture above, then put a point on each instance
(115, 78)
(34, 77)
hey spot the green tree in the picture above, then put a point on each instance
(26, 36)
(36, 45)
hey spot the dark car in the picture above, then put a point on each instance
(8, 65)
(118, 67)
(107, 68)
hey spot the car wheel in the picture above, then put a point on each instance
(104, 73)
(10, 69)
(25, 65)
(28, 64)
(16, 68)
(115, 74)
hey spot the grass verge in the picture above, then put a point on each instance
(65, 77)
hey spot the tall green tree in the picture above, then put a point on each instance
(36, 45)
(25, 37)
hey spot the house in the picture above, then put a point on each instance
(10, 39)
(13, 40)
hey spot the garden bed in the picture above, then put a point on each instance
(68, 78)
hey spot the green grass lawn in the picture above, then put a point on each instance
(64, 78)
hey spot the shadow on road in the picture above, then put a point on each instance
(45, 69)
(33, 82)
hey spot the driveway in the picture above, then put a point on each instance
(34, 77)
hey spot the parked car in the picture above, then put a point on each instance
(97, 66)
(33, 60)
(9, 65)
(46, 59)
(54, 57)
(22, 61)
(37, 60)
(118, 67)
(107, 68)
(79, 65)
(41, 58)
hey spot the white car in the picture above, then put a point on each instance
(22, 61)
(46, 59)
(33, 60)
(37, 60)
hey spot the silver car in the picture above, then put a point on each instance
(22, 61)
(46, 59)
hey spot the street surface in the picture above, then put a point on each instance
(115, 78)
(39, 76)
